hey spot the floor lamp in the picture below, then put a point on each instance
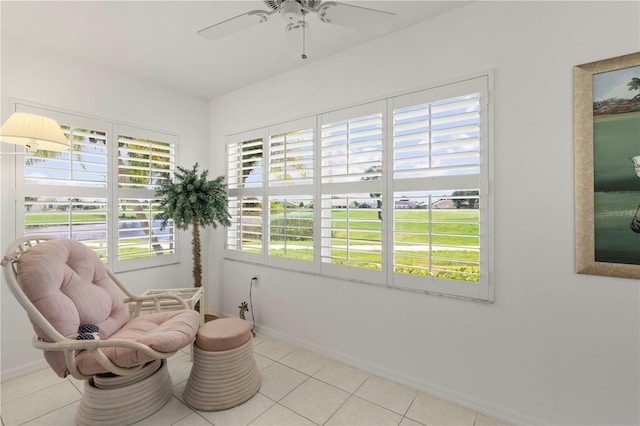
(34, 132)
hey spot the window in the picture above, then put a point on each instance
(144, 165)
(101, 191)
(291, 214)
(288, 209)
(244, 176)
(440, 190)
(399, 195)
(351, 193)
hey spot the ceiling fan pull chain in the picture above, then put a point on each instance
(304, 33)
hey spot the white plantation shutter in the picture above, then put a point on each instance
(139, 234)
(290, 187)
(278, 231)
(291, 158)
(351, 191)
(436, 139)
(352, 237)
(455, 133)
(437, 132)
(102, 191)
(245, 232)
(245, 176)
(352, 144)
(446, 244)
(81, 219)
(234, 240)
(84, 165)
(440, 189)
(145, 162)
(291, 227)
(398, 193)
(245, 163)
(65, 192)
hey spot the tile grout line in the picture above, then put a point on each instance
(404, 416)
(306, 376)
(48, 412)
(351, 394)
(183, 417)
(196, 413)
(304, 381)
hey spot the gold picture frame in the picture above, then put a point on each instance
(604, 195)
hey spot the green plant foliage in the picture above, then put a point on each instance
(190, 197)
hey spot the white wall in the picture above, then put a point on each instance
(49, 79)
(555, 347)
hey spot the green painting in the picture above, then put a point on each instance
(616, 165)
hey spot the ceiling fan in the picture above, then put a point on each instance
(294, 13)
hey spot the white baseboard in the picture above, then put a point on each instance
(471, 402)
(14, 373)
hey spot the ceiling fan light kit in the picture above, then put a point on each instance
(290, 10)
(294, 13)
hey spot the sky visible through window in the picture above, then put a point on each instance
(460, 112)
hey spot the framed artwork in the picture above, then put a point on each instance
(607, 166)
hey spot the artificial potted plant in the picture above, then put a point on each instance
(190, 199)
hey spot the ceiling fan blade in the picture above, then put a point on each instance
(235, 24)
(357, 17)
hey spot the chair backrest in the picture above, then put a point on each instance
(66, 282)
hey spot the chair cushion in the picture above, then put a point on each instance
(164, 332)
(69, 285)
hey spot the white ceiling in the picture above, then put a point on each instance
(157, 40)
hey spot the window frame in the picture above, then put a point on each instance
(284, 190)
(350, 185)
(389, 186)
(237, 191)
(111, 191)
(124, 193)
(449, 287)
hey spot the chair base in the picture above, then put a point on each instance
(221, 380)
(116, 404)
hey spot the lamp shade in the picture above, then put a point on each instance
(34, 131)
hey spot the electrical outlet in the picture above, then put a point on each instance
(255, 280)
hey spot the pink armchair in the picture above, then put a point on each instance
(63, 285)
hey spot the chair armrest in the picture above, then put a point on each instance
(155, 298)
(69, 347)
(78, 345)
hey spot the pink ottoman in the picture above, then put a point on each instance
(224, 372)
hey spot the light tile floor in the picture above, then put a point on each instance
(298, 388)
